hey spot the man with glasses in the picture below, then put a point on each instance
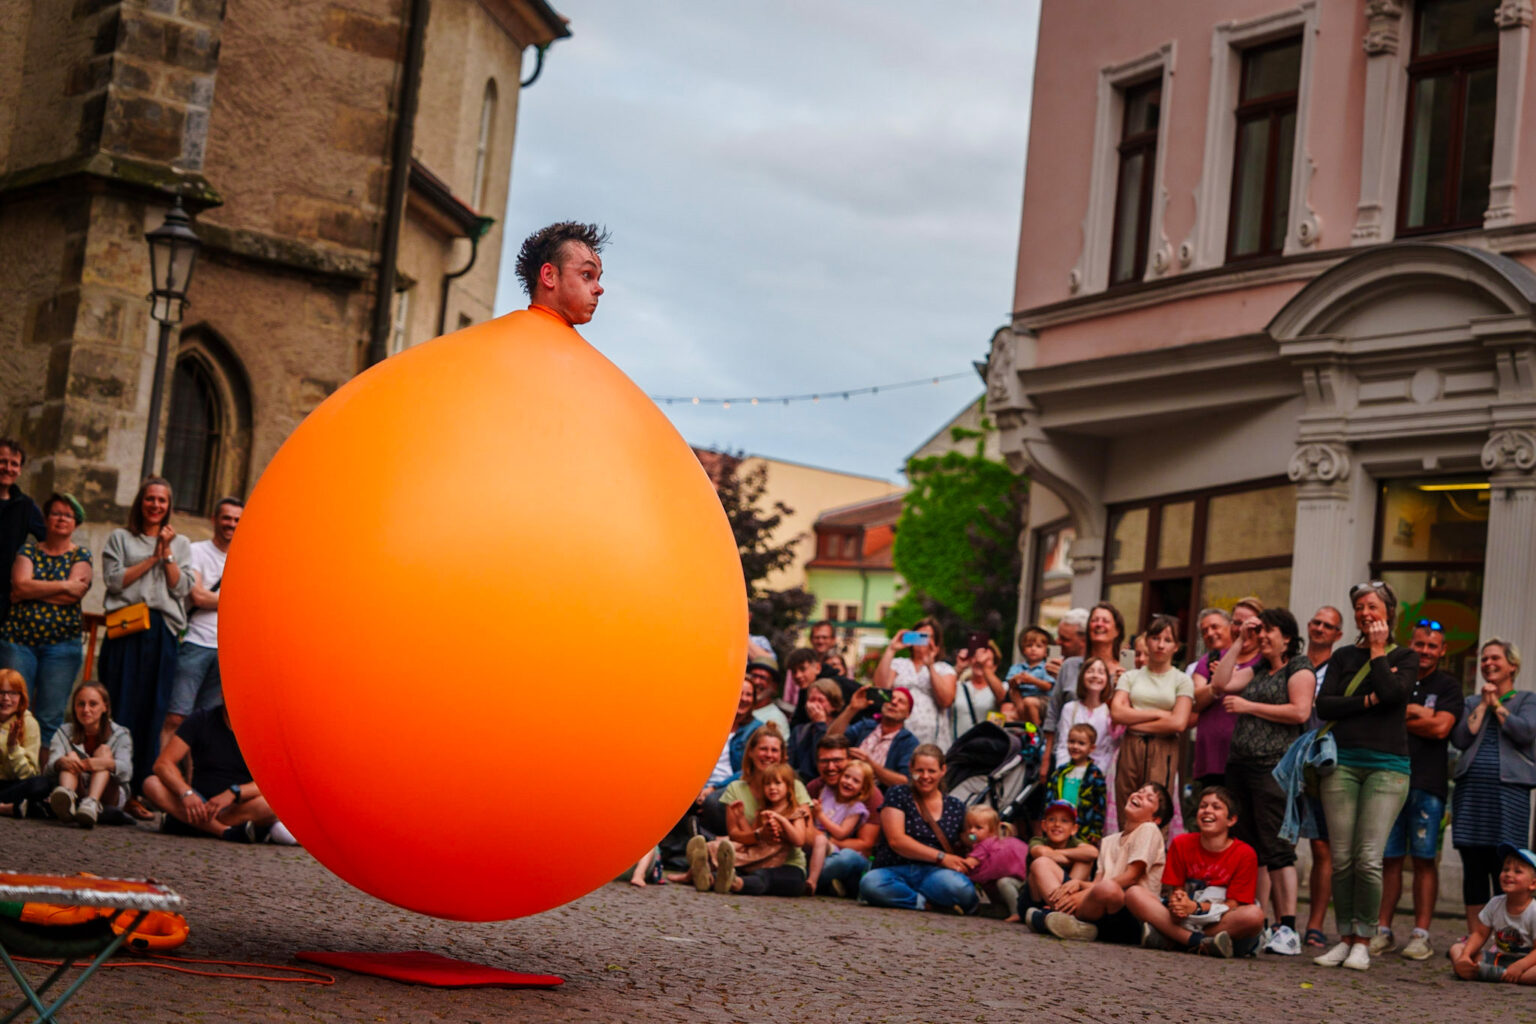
(1432, 711)
(844, 867)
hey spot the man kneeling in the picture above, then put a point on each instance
(1209, 888)
(1129, 859)
(221, 799)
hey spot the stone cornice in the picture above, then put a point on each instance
(291, 253)
(154, 181)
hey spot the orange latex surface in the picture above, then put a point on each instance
(483, 624)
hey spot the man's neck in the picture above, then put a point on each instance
(1318, 656)
(1425, 673)
(551, 310)
(221, 544)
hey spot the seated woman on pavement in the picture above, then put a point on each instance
(220, 799)
(1086, 911)
(917, 863)
(1209, 880)
(20, 746)
(89, 753)
(763, 854)
(885, 743)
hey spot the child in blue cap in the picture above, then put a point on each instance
(1510, 919)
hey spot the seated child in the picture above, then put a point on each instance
(1209, 883)
(998, 861)
(838, 814)
(1028, 682)
(1080, 783)
(1128, 859)
(1057, 854)
(1510, 919)
(744, 862)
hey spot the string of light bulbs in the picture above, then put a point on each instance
(815, 396)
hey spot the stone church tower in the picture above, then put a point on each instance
(343, 162)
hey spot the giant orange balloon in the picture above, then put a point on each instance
(483, 624)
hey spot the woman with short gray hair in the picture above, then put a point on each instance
(1491, 802)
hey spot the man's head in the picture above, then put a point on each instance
(765, 683)
(561, 267)
(226, 516)
(1215, 629)
(11, 458)
(803, 665)
(831, 758)
(1217, 812)
(1429, 645)
(1072, 633)
(823, 637)
(1324, 628)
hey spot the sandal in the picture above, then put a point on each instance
(1316, 939)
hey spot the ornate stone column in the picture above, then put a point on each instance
(1323, 555)
(1514, 21)
(1381, 130)
(1509, 575)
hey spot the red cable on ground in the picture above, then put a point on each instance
(317, 978)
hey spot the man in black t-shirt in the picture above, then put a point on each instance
(1433, 709)
(221, 799)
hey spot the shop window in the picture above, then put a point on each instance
(1448, 138)
(1176, 555)
(1431, 535)
(1265, 141)
(1051, 585)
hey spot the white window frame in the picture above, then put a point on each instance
(1092, 271)
(1207, 245)
(400, 322)
(488, 100)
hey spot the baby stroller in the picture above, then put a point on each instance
(998, 766)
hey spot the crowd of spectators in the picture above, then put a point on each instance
(1278, 732)
(149, 738)
(1275, 733)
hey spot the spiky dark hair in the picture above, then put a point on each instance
(544, 245)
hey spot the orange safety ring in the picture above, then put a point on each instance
(159, 931)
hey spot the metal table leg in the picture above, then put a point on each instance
(47, 1014)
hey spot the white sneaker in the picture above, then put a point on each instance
(1285, 942)
(62, 802)
(86, 812)
(1382, 942)
(1418, 948)
(281, 836)
(1335, 956)
(1359, 958)
(1065, 926)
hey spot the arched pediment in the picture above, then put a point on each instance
(1407, 286)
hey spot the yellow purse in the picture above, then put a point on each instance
(128, 620)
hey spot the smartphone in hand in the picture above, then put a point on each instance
(914, 638)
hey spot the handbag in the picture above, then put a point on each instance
(933, 826)
(126, 621)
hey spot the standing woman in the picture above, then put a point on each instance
(143, 564)
(1363, 695)
(19, 515)
(917, 862)
(41, 638)
(1270, 709)
(1153, 705)
(1494, 777)
(978, 689)
(1213, 722)
(927, 675)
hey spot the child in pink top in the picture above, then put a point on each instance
(998, 860)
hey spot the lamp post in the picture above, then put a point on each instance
(173, 250)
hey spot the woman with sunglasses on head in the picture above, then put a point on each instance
(1362, 699)
(1495, 774)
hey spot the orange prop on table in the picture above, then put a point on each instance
(483, 624)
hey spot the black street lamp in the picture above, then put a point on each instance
(173, 250)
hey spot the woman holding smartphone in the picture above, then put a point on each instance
(929, 678)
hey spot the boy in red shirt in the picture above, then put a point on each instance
(1208, 888)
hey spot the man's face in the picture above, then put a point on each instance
(1324, 628)
(763, 685)
(10, 467)
(1429, 645)
(1215, 632)
(1070, 638)
(225, 519)
(807, 673)
(572, 287)
(823, 638)
(830, 765)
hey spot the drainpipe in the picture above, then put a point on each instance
(448, 279)
(399, 176)
(538, 68)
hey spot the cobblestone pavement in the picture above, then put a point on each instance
(670, 954)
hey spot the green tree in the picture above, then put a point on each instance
(777, 614)
(957, 544)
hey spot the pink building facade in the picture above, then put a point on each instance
(1274, 329)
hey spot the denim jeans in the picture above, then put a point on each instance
(846, 866)
(50, 671)
(914, 886)
(197, 686)
(1361, 805)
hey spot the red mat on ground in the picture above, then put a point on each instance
(420, 968)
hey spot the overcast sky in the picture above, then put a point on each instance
(804, 196)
